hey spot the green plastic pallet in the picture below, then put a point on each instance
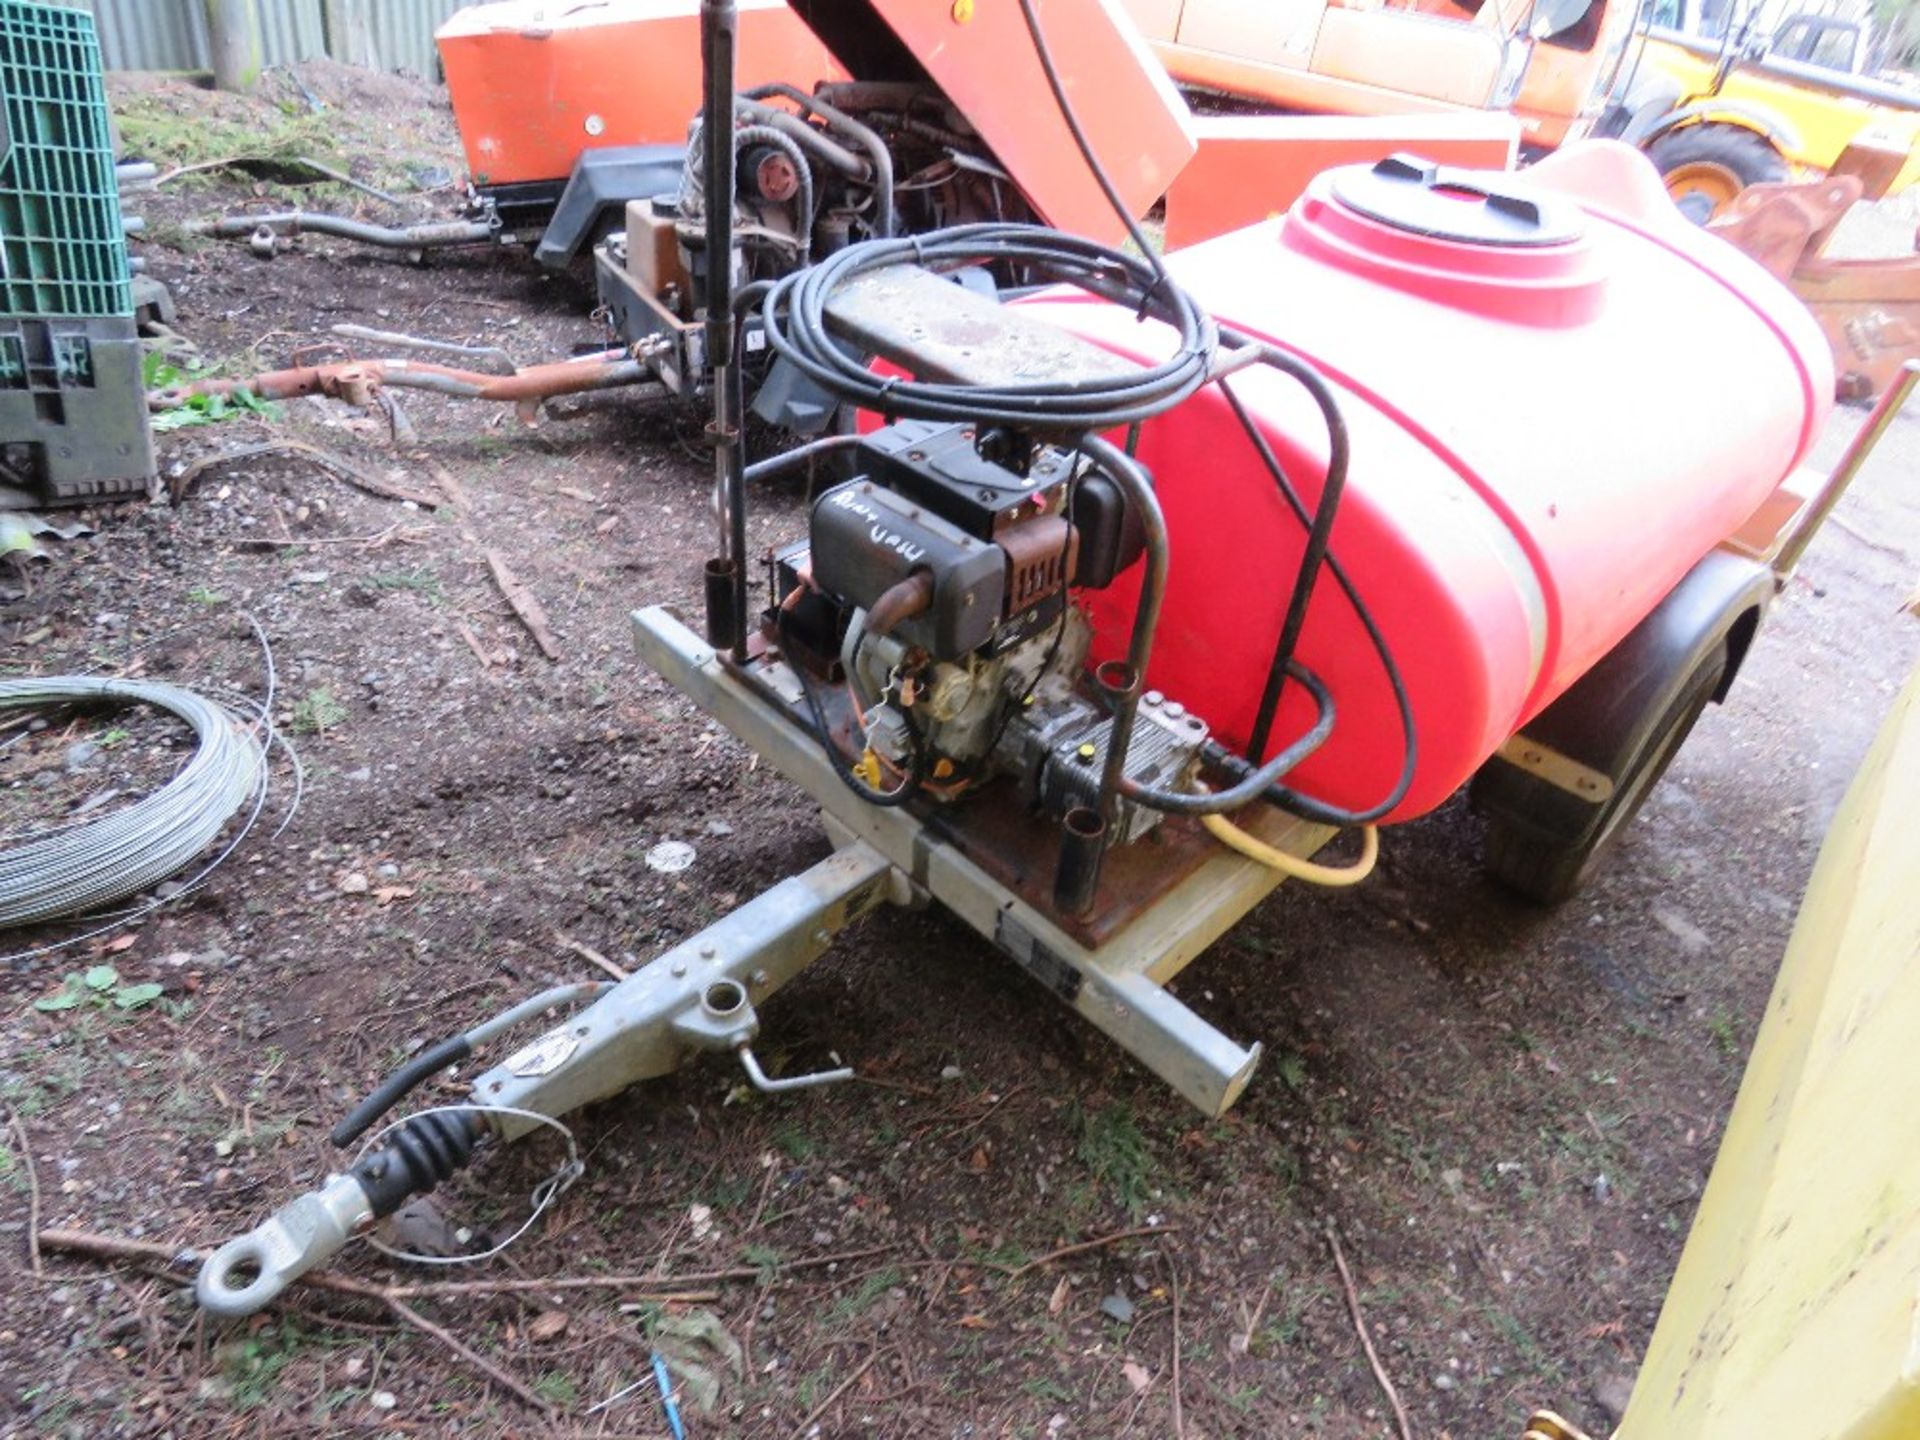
(62, 249)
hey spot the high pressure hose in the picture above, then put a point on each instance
(794, 317)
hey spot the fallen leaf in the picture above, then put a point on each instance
(547, 1325)
(977, 1162)
(117, 944)
(16, 538)
(701, 1218)
(973, 1322)
(132, 997)
(1058, 1301)
(387, 894)
(1137, 1375)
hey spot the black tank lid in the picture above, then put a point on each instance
(1472, 207)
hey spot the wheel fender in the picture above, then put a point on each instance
(1644, 107)
(1605, 716)
(1777, 132)
(602, 182)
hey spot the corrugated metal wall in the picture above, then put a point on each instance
(403, 33)
(172, 34)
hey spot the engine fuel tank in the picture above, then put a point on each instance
(1560, 394)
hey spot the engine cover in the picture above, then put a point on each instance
(995, 540)
(866, 540)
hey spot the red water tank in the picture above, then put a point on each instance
(1560, 395)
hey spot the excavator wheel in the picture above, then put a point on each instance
(1705, 166)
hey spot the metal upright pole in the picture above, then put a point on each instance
(726, 575)
(1820, 506)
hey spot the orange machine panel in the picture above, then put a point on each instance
(534, 83)
(979, 53)
(1249, 167)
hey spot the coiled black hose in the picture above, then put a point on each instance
(794, 317)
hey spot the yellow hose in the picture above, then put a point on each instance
(1234, 838)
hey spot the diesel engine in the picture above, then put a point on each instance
(930, 617)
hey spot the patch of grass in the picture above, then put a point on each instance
(152, 129)
(813, 1386)
(1288, 1319)
(1047, 1390)
(56, 1073)
(257, 1135)
(1242, 1399)
(1516, 1335)
(252, 1364)
(763, 1258)
(1114, 1150)
(318, 713)
(847, 1307)
(1724, 1031)
(202, 595)
(1291, 1067)
(424, 581)
(729, 1193)
(56, 1416)
(796, 1142)
(1007, 1255)
(556, 1387)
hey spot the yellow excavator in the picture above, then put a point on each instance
(1715, 101)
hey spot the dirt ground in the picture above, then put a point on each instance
(1507, 1114)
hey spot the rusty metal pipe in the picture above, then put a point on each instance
(407, 237)
(902, 601)
(497, 360)
(357, 380)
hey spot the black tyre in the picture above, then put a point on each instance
(1545, 866)
(1705, 166)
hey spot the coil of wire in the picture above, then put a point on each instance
(79, 868)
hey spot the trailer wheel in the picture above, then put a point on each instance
(1705, 166)
(1547, 867)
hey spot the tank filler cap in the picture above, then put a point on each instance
(1469, 207)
